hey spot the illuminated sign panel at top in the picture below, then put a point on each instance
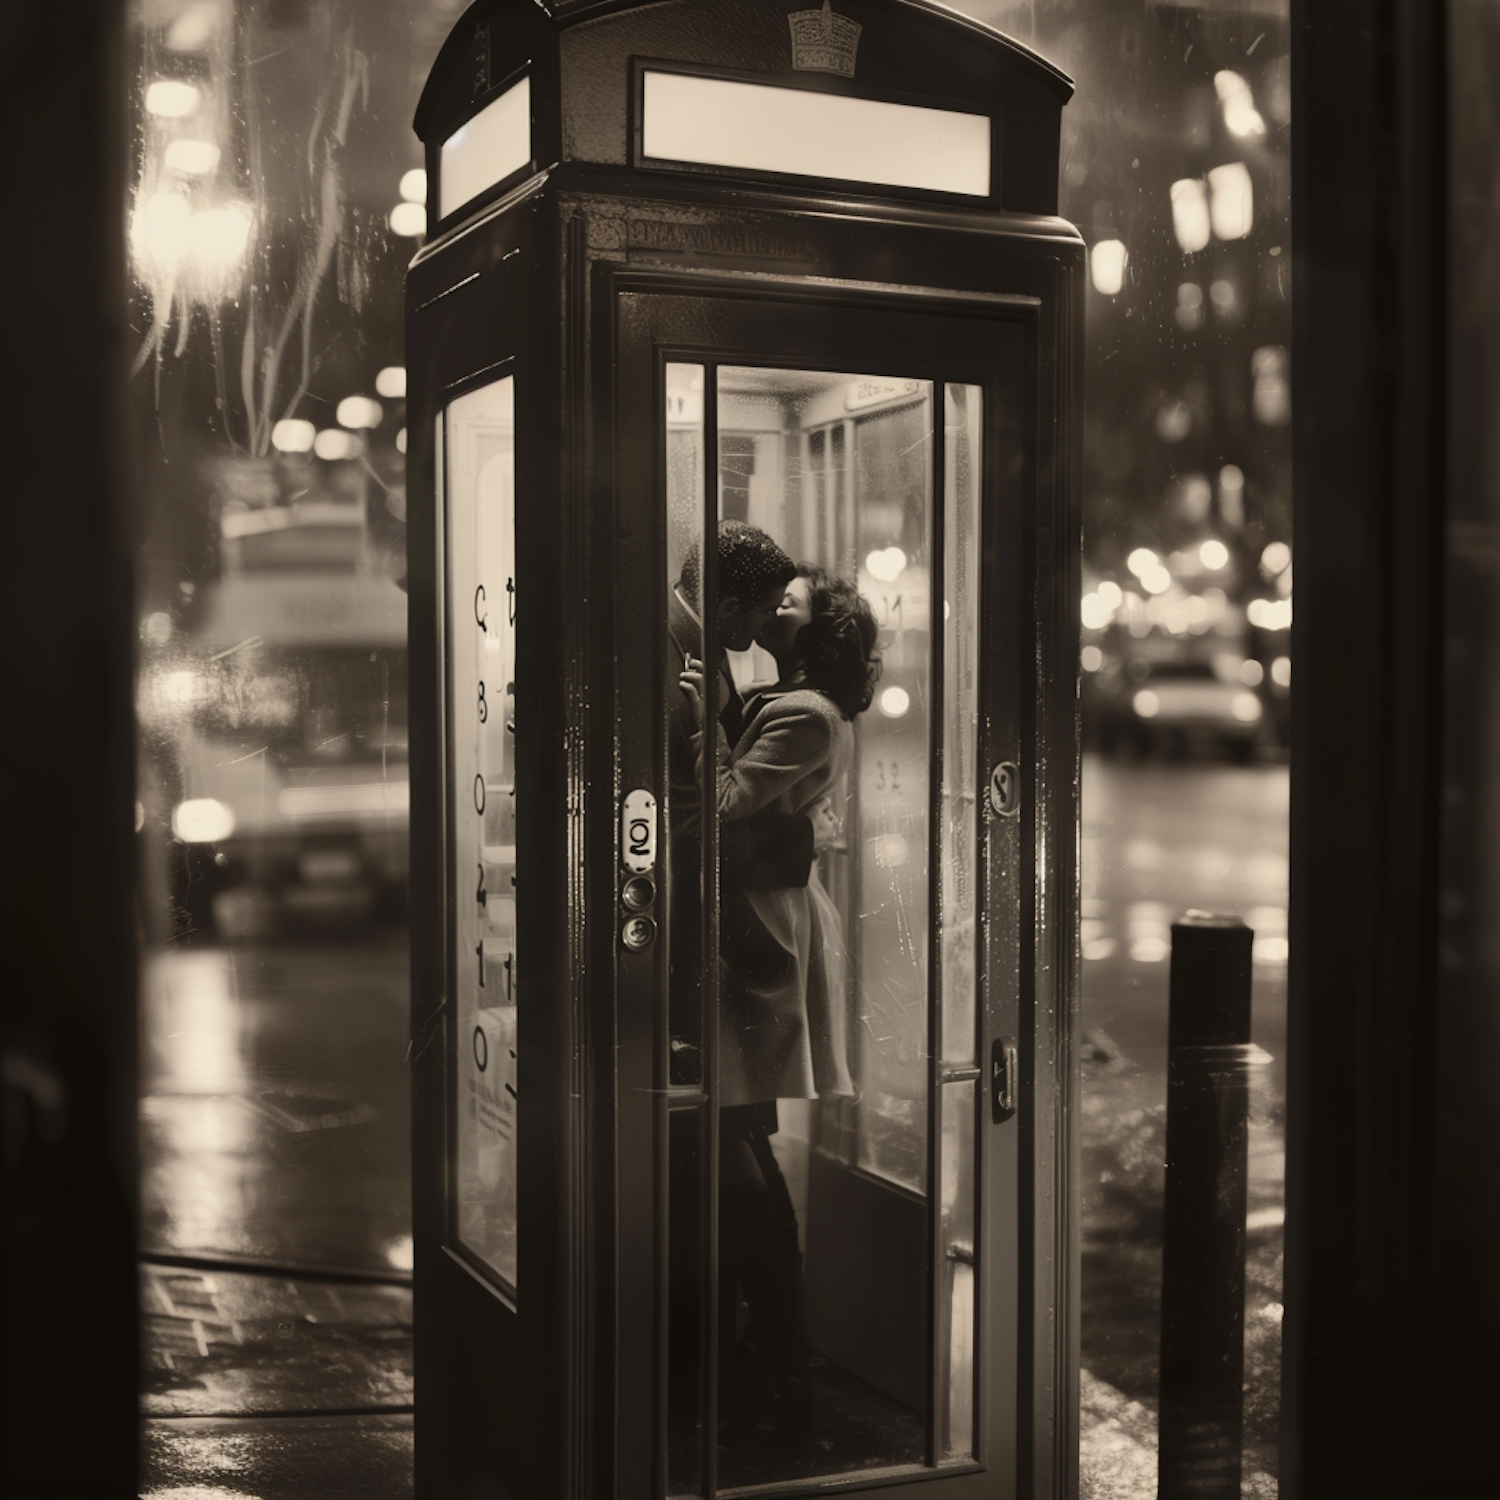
(486, 149)
(756, 127)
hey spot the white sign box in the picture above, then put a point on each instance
(723, 123)
(486, 149)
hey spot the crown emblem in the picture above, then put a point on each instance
(823, 42)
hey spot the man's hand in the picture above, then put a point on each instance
(691, 683)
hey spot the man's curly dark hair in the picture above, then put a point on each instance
(838, 643)
(750, 566)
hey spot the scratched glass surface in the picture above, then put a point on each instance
(275, 201)
(275, 198)
(838, 467)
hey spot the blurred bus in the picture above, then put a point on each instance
(282, 710)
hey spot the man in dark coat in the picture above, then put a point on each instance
(751, 576)
(759, 1255)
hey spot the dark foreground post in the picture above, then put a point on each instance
(1203, 1253)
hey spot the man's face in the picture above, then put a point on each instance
(738, 625)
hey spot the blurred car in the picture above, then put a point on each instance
(285, 712)
(1181, 706)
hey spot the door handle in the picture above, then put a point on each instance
(1003, 1079)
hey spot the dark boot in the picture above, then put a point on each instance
(770, 1379)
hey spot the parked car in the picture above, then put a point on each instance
(1180, 706)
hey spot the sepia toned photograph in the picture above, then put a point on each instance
(672, 834)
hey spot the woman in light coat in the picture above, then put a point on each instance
(783, 997)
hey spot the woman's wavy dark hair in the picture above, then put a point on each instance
(838, 643)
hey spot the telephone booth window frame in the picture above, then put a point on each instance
(502, 1280)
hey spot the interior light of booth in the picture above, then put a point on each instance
(1141, 561)
(1245, 706)
(391, 382)
(172, 98)
(1190, 217)
(1146, 703)
(1252, 674)
(757, 127)
(1091, 658)
(293, 435)
(1238, 104)
(887, 564)
(401, 441)
(1156, 580)
(894, 702)
(486, 149)
(1111, 594)
(1107, 261)
(359, 411)
(1213, 554)
(1231, 200)
(408, 220)
(202, 820)
(1281, 671)
(193, 158)
(414, 185)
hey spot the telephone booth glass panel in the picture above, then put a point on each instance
(479, 452)
(830, 1108)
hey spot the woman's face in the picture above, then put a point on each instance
(780, 635)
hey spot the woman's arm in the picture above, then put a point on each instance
(792, 742)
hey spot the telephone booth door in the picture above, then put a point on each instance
(884, 441)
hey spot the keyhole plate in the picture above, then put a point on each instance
(1005, 788)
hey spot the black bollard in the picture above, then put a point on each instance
(1203, 1233)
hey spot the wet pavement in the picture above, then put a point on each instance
(1159, 840)
(275, 1289)
(275, 1118)
(276, 1301)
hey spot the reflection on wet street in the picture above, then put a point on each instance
(1160, 840)
(276, 1221)
(274, 1109)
